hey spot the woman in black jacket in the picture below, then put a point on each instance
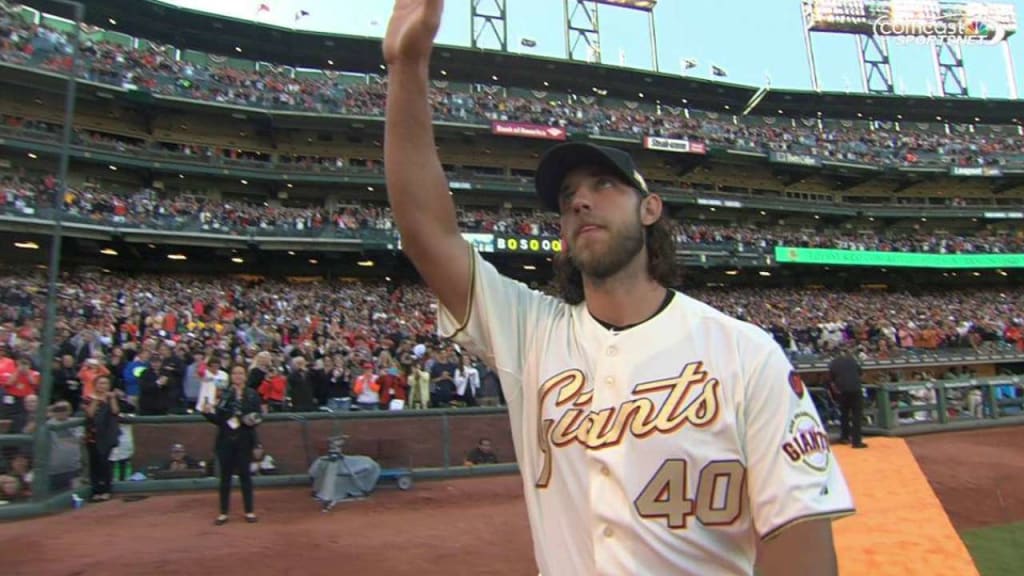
(236, 414)
(102, 432)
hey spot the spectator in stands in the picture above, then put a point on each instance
(24, 421)
(92, 369)
(211, 380)
(483, 453)
(65, 449)
(259, 370)
(467, 381)
(339, 384)
(318, 378)
(300, 387)
(393, 387)
(442, 379)
(101, 435)
(419, 385)
(192, 382)
(274, 391)
(152, 385)
(180, 460)
(236, 413)
(173, 371)
(66, 385)
(21, 383)
(366, 388)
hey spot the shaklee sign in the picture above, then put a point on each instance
(940, 29)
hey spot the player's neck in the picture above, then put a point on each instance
(624, 299)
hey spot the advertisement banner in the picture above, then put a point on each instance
(527, 130)
(987, 171)
(672, 145)
(793, 255)
(481, 242)
(531, 244)
(790, 158)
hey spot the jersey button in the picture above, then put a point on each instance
(608, 532)
(612, 351)
(609, 380)
(604, 470)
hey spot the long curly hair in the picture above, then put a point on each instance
(661, 262)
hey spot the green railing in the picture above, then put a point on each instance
(905, 408)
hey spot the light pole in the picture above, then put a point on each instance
(41, 441)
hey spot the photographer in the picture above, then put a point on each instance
(101, 435)
(236, 414)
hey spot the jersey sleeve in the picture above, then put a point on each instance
(500, 318)
(793, 475)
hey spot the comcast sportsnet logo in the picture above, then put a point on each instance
(940, 31)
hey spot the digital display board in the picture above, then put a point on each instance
(832, 257)
(527, 244)
(645, 5)
(940, 19)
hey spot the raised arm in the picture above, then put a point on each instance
(417, 186)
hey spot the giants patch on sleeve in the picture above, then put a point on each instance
(807, 444)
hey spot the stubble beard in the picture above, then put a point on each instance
(623, 246)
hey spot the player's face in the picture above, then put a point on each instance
(600, 220)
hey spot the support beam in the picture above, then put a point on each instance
(489, 21)
(951, 74)
(582, 33)
(875, 66)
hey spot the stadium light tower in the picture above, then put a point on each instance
(490, 16)
(944, 25)
(583, 33)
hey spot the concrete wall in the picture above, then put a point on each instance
(407, 441)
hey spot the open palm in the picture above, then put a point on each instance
(411, 31)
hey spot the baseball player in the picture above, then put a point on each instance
(655, 435)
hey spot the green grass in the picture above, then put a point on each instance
(997, 550)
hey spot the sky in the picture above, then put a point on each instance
(754, 41)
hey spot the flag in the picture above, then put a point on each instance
(718, 71)
(300, 14)
(689, 63)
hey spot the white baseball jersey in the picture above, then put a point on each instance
(667, 448)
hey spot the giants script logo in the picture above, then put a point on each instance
(692, 399)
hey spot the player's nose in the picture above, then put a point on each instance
(582, 200)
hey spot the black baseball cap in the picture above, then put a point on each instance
(562, 159)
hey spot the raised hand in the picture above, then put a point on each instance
(411, 30)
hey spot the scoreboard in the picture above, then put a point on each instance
(645, 5)
(910, 17)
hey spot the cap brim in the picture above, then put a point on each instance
(564, 158)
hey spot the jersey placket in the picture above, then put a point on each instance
(609, 391)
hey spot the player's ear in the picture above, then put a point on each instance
(650, 209)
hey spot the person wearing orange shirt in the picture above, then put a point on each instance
(367, 389)
(87, 375)
(17, 385)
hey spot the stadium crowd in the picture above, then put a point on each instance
(153, 68)
(155, 345)
(147, 208)
(180, 326)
